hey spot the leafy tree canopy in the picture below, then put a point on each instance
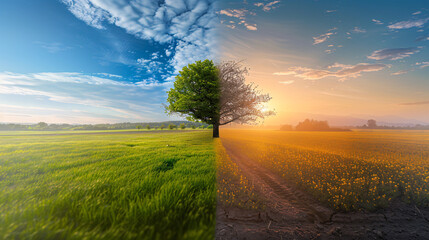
(196, 93)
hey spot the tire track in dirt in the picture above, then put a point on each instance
(285, 194)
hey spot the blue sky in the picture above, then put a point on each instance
(357, 59)
(93, 61)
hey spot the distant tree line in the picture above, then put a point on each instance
(372, 124)
(42, 126)
(311, 125)
(314, 125)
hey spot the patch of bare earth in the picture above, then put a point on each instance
(292, 214)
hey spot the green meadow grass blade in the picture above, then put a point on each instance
(122, 186)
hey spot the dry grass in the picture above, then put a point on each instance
(233, 188)
(346, 170)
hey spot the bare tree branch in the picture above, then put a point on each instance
(239, 102)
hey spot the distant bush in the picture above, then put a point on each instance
(210, 127)
(193, 127)
(182, 126)
(148, 127)
(172, 126)
(312, 125)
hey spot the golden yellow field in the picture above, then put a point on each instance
(346, 170)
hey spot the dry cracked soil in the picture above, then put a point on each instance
(292, 214)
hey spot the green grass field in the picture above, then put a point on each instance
(118, 186)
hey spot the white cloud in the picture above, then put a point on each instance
(155, 55)
(66, 77)
(235, 13)
(110, 75)
(409, 24)
(399, 72)
(329, 51)
(270, 5)
(359, 30)
(377, 21)
(422, 64)
(343, 71)
(267, 6)
(417, 13)
(87, 12)
(251, 27)
(240, 14)
(185, 52)
(322, 38)
(165, 21)
(116, 101)
(32, 79)
(393, 53)
(330, 11)
(150, 65)
(287, 82)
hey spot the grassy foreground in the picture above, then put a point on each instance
(122, 186)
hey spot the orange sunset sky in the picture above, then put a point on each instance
(343, 67)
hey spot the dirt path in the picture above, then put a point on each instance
(293, 214)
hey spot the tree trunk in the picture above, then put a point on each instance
(215, 130)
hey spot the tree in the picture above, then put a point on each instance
(41, 125)
(193, 126)
(196, 93)
(162, 126)
(148, 127)
(216, 95)
(172, 126)
(139, 127)
(182, 126)
(372, 123)
(240, 102)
